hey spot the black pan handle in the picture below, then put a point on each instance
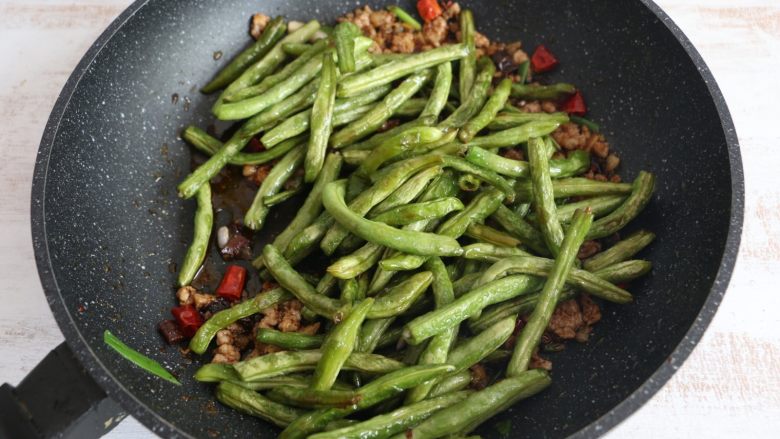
(57, 399)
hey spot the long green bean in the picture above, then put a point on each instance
(289, 340)
(514, 136)
(254, 404)
(256, 214)
(475, 99)
(641, 192)
(543, 200)
(494, 104)
(532, 332)
(438, 97)
(468, 63)
(272, 33)
(200, 341)
(577, 163)
(338, 345)
(285, 362)
(196, 252)
(321, 119)
(504, 121)
(387, 73)
(574, 187)
(410, 213)
(542, 92)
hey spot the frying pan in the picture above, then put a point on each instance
(108, 227)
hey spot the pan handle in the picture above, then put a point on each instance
(57, 399)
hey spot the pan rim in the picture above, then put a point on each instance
(161, 426)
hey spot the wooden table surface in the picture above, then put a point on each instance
(730, 385)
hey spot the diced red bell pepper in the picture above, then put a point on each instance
(188, 318)
(428, 9)
(543, 60)
(232, 284)
(575, 105)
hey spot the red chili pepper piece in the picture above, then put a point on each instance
(575, 105)
(255, 145)
(232, 284)
(543, 60)
(188, 318)
(428, 9)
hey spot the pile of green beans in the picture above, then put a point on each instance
(435, 242)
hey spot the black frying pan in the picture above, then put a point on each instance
(107, 224)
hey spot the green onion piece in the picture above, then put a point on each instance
(138, 358)
(405, 17)
(522, 72)
(593, 126)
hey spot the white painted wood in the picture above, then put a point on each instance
(730, 386)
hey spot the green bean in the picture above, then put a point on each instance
(642, 191)
(438, 348)
(218, 372)
(580, 279)
(296, 49)
(321, 119)
(340, 423)
(310, 208)
(477, 348)
(517, 226)
(209, 145)
(251, 106)
(238, 141)
(297, 285)
(344, 112)
(410, 213)
(281, 197)
(384, 58)
(475, 99)
(600, 206)
(491, 236)
(466, 415)
(408, 191)
(387, 73)
(483, 174)
(452, 382)
(577, 163)
(399, 298)
(438, 320)
(313, 398)
(621, 251)
(281, 363)
(254, 404)
(444, 186)
(268, 63)
(514, 136)
(349, 291)
(574, 187)
(399, 420)
(405, 17)
(289, 340)
(258, 211)
(367, 199)
(338, 345)
(625, 271)
(272, 80)
(494, 104)
(504, 121)
(469, 183)
(381, 112)
(419, 243)
(196, 252)
(542, 92)
(344, 36)
(518, 306)
(371, 334)
(377, 139)
(409, 140)
(490, 252)
(543, 200)
(468, 63)
(480, 208)
(379, 390)
(200, 341)
(352, 265)
(272, 33)
(559, 270)
(438, 97)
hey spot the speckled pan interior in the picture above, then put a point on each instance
(108, 226)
